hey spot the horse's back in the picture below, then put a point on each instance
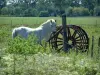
(21, 31)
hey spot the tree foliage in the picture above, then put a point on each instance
(77, 11)
(44, 14)
(2, 3)
(4, 11)
(49, 7)
(97, 11)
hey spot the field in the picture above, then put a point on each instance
(45, 61)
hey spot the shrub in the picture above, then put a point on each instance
(69, 11)
(80, 11)
(17, 11)
(4, 11)
(25, 46)
(85, 12)
(30, 12)
(9, 10)
(33, 12)
(77, 11)
(44, 14)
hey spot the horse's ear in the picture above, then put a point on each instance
(55, 20)
(50, 23)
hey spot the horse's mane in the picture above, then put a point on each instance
(48, 21)
(45, 23)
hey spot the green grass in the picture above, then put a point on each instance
(44, 61)
(39, 20)
(49, 64)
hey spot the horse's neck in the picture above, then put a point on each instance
(47, 29)
(46, 26)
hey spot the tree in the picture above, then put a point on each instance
(61, 5)
(18, 11)
(78, 11)
(2, 3)
(50, 7)
(44, 5)
(88, 4)
(69, 11)
(4, 11)
(23, 3)
(97, 2)
(85, 11)
(75, 3)
(44, 14)
(97, 11)
(31, 12)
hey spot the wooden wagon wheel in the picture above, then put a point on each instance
(77, 38)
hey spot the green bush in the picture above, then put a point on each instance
(69, 11)
(20, 45)
(80, 11)
(9, 10)
(4, 11)
(17, 11)
(77, 11)
(44, 14)
(97, 11)
(85, 12)
(30, 12)
(34, 13)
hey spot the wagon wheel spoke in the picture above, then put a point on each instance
(69, 33)
(80, 35)
(77, 37)
(74, 34)
(59, 44)
(78, 46)
(82, 43)
(60, 48)
(56, 41)
(59, 41)
(61, 33)
(59, 38)
(78, 40)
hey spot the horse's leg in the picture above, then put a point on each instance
(14, 33)
(40, 42)
(40, 38)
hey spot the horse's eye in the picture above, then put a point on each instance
(51, 25)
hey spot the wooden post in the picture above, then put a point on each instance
(14, 65)
(99, 52)
(11, 23)
(92, 46)
(99, 46)
(65, 40)
(88, 46)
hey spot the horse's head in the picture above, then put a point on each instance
(53, 25)
(50, 25)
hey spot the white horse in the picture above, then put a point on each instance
(41, 32)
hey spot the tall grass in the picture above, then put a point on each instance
(26, 46)
(48, 64)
